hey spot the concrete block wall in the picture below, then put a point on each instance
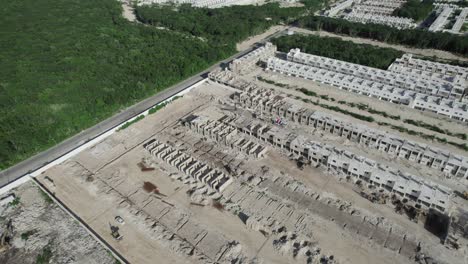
(198, 170)
(423, 193)
(436, 158)
(222, 132)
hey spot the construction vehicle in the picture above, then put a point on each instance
(115, 232)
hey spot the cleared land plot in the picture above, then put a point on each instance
(180, 222)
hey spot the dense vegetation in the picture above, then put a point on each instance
(68, 64)
(411, 37)
(415, 9)
(222, 27)
(339, 49)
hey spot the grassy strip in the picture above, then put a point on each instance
(327, 98)
(162, 105)
(401, 129)
(129, 123)
(365, 107)
(435, 128)
(370, 119)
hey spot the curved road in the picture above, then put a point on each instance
(37, 161)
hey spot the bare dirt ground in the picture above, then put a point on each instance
(424, 52)
(127, 11)
(254, 39)
(294, 216)
(40, 228)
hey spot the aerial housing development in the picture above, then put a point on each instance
(438, 95)
(219, 131)
(444, 16)
(234, 169)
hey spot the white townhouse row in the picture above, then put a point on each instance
(425, 193)
(406, 65)
(365, 18)
(436, 68)
(334, 10)
(244, 63)
(447, 107)
(374, 10)
(384, 3)
(433, 86)
(460, 20)
(267, 101)
(441, 20)
(196, 3)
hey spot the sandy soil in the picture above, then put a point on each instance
(127, 11)
(105, 181)
(38, 224)
(90, 201)
(254, 39)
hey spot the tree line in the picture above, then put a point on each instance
(416, 9)
(417, 38)
(336, 48)
(221, 27)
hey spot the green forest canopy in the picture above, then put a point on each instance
(415, 9)
(417, 38)
(336, 48)
(68, 64)
(221, 26)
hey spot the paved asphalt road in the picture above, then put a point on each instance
(23, 168)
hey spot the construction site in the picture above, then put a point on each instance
(258, 164)
(33, 229)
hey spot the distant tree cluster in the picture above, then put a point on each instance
(336, 48)
(415, 9)
(221, 26)
(417, 38)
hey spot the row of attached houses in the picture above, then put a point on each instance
(224, 133)
(414, 82)
(424, 194)
(188, 165)
(392, 21)
(457, 74)
(447, 107)
(267, 101)
(244, 63)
